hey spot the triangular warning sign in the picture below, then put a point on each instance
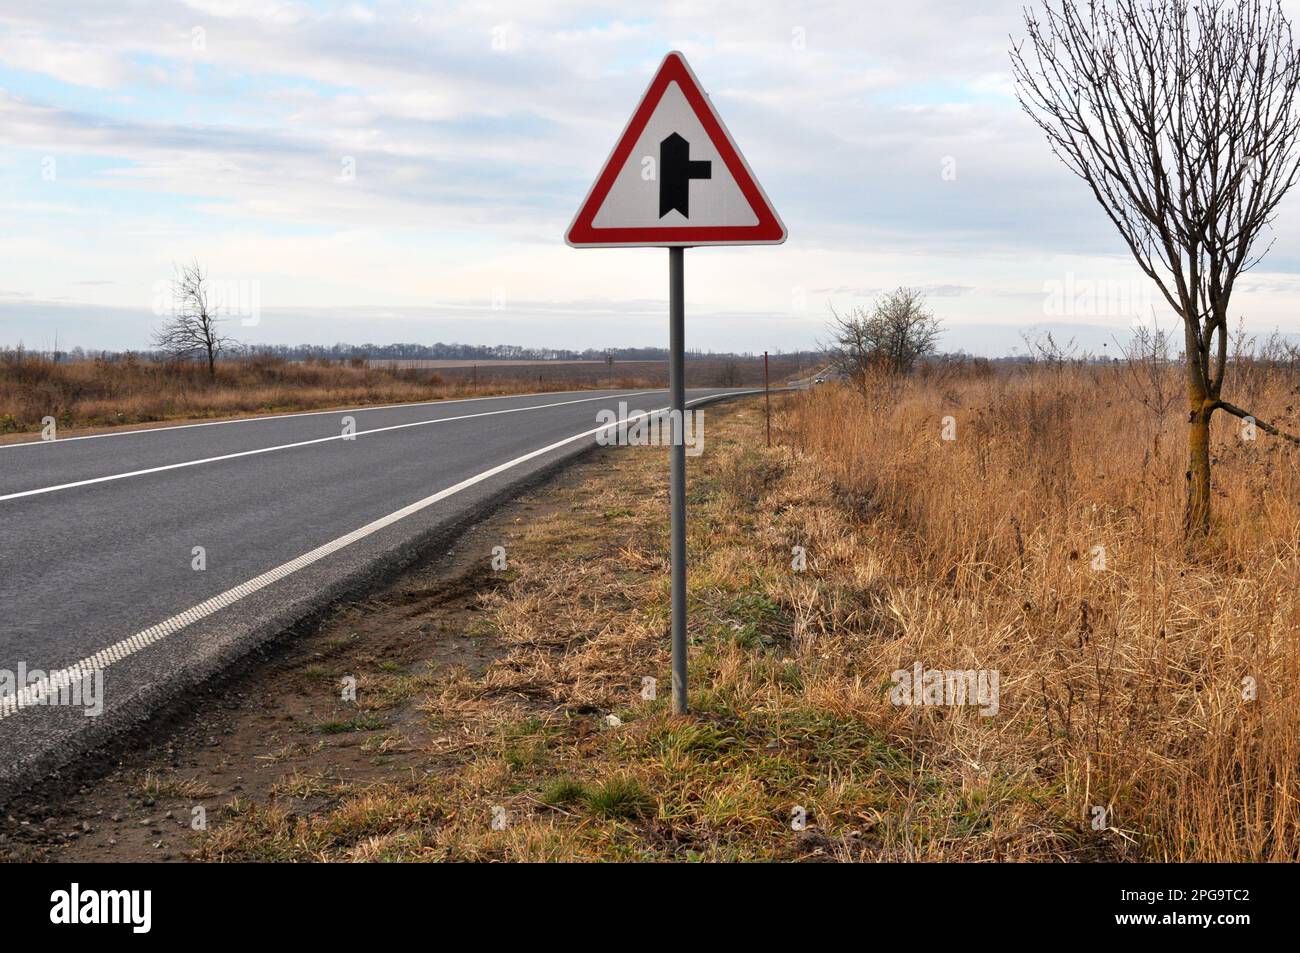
(675, 177)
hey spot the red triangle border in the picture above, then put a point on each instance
(769, 230)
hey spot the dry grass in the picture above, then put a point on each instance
(166, 786)
(98, 393)
(1120, 687)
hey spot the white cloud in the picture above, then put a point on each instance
(81, 63)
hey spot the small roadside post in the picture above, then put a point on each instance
(767, 399)
(675, 179)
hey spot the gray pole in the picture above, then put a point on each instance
(677, 485)
(767, 393)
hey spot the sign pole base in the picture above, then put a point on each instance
(677, 485)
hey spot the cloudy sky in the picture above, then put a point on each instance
(386, 170)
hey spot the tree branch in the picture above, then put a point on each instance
(1266, 427)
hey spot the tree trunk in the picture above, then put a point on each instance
(1197, 518)
(212, 365)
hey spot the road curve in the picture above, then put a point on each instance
(157, 557)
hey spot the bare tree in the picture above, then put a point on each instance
(728, 375)
(193, 330)
(1278, 351)
(1043, 346)
(897, 332)
(1182, 119)
(1148, 379)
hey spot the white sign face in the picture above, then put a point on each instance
(675, 177)
(633, 199)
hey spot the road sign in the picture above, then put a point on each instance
(675, 177)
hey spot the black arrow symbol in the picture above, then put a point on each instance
(676, 169)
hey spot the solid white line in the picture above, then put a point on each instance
(300, 443)
(163, 428)
(53, 681)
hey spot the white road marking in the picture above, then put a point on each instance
(301, 443)
(53, 681)
(164, 428)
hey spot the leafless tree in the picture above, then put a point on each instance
(1043, 346)
(728, 375)
(897, 332)
(193, 331)
(1182, 119)
(1278, 351)
(1149, 379)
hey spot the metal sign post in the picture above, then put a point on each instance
(767, 400)
(675, 179)
(677, 467)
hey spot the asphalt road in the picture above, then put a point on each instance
(98, 540)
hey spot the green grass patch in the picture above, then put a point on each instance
(564, 790)
(361, 721)
(619, 798)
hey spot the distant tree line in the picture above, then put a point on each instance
(485, 352)
(413, 351)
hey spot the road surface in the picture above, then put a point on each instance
(158, 557)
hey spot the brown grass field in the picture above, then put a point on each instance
(1124, 686)
(95, 394)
